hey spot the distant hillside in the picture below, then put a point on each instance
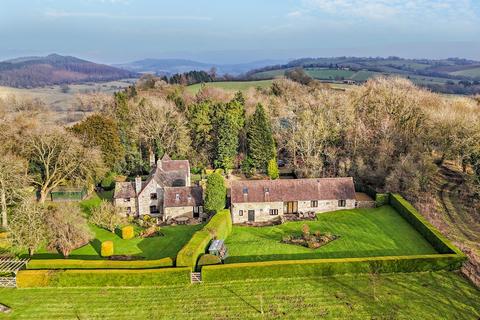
(448, 76)
(54, 69)
(171, 66)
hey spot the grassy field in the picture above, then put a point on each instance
(231, 85)
(441, 295)
(175, 237)
(363, 233)
(474, 73)
(329, 74)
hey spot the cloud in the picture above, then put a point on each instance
(387, 9)
(67, 14)
(294, 14)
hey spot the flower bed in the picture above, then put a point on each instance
(312, 241)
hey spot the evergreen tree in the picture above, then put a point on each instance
(215, 193)
(272, 169)
(227, 143)
(260, 144)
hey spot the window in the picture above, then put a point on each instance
(153, 196)
(240, 213)
(129, 209)
(342, 203)
(154, 209)
(314, 203)
(274, 212)
(245, 190)
(267, 190)
(126, 200)
(177, 196)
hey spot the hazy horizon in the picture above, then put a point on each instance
(120, 31)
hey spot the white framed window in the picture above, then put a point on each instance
(274, 212)
(126, 200)
(314, 203)
(342, 203)
(240, 213)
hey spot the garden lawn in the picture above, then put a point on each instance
(363, 233)
(175, 237)
(441, 295)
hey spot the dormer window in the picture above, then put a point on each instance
(266, 190)
(177, 196)
(245, 190)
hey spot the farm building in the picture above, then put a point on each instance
(265, 200)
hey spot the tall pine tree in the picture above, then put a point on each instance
(260, 143)
(227, 143)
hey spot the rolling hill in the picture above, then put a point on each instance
(54, 69)
(172, 66)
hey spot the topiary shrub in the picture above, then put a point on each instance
(107, 249)
(128, 233)
(208, 260)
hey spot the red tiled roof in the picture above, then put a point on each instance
(187, 197)
(124, 190)
(292, 190)
(175, 165)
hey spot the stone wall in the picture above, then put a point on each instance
(175, 212)
(144, 201)
(123, 205)
(262, 209)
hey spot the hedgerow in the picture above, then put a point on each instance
(328, 267)
(430, 233)
(219, 227)
(56, 264)
(102, 278)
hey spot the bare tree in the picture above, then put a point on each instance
(106, 216)
(59, 158)
(67, 229)
(13, 181)
(27, 226)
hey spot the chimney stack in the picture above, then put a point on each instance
(152, 159)
(138, 184)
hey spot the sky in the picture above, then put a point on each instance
(227, 31)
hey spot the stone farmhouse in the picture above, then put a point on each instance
(166, 194)
(265, 200)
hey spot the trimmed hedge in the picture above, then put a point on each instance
(128, 233)
(429, 232)
(102, 278)
(219, 227)
(57, 264)
(106, 249)
(382, 199)
(208, 260)
(328, 267)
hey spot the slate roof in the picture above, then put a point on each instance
(187, 197)
(292, 190)
(124, 190)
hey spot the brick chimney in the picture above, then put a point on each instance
(138, 184)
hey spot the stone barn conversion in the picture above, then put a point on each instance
(265, 200)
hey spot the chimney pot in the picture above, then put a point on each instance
(138, 184)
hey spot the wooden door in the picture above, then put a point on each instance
(251, 215)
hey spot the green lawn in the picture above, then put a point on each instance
(175, 237)
(363, 233)
(231, 85)
(442, 295)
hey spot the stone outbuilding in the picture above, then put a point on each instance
(265, 200)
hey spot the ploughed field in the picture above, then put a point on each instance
(363, 233)
(438, 295)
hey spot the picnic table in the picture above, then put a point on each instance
(182, 220)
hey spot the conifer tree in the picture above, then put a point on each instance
(260, 144)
